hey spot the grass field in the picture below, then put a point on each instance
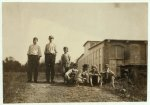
(17, 90)
(13, 83)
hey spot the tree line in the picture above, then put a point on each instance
(12, 65)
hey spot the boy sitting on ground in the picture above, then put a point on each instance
(94, 76)
(71, 75)
(108, 75)
(83, 75)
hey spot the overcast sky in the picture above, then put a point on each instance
(70, 24)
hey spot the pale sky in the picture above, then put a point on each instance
(70, 24)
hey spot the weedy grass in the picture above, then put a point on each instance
(13, 83)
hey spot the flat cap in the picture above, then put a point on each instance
(94, 66)
(51, 37)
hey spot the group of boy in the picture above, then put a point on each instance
(85, 75)
(71, 74)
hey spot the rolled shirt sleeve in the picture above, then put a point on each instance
(34, 50)
(50, 48)
(45, 49)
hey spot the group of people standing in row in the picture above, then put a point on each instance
(34, 55)
(71, 75)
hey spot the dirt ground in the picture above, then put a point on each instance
(19, 91)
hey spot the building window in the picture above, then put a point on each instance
(116, 52)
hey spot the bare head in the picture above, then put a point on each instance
(75, 66)
(65, 49)
(106, 65)
(35, 40)
(85, 67)
(51, 38)
(94, 67)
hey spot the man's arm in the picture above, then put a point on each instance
(110, 71)
(28, 50)
(45, 49)
(28, 53)
(68, 72)
(55, 49)
(62, 60)
(39, 52)
(69, 58)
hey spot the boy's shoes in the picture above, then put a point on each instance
(53, 82)
(29, 81)
(35, 82)
(47, 82)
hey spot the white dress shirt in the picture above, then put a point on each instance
(50, 48)
(34, 49)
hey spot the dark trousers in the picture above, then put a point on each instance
(65, 70)
(50, 63)
(33, 63)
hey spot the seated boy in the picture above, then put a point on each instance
(94, 76)
(108, 75)
(71, 75)
(83, 75)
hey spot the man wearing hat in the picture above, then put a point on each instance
(34, 54)
(50, 55)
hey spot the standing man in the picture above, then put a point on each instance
(50, 55)
(34, 54)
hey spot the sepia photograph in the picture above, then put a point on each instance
(74, 52)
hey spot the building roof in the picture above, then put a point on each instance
(79, 57)
(89, 41)
(117, 40)
(99, 42)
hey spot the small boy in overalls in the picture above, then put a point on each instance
(65, 61)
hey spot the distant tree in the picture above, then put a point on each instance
(42, 67)
(10, 64)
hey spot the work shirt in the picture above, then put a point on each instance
(82, 74)
(94, 72)
(65, 59)
(71, 73)
(109, 71)
(50, 48)
(34, 49)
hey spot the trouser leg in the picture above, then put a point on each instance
(87, 78)
(65, 70)
(113, 81)
(35, 73)
(52, 65)
(52, 72)
(91, 81)
(47, 72)
(29, 71)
